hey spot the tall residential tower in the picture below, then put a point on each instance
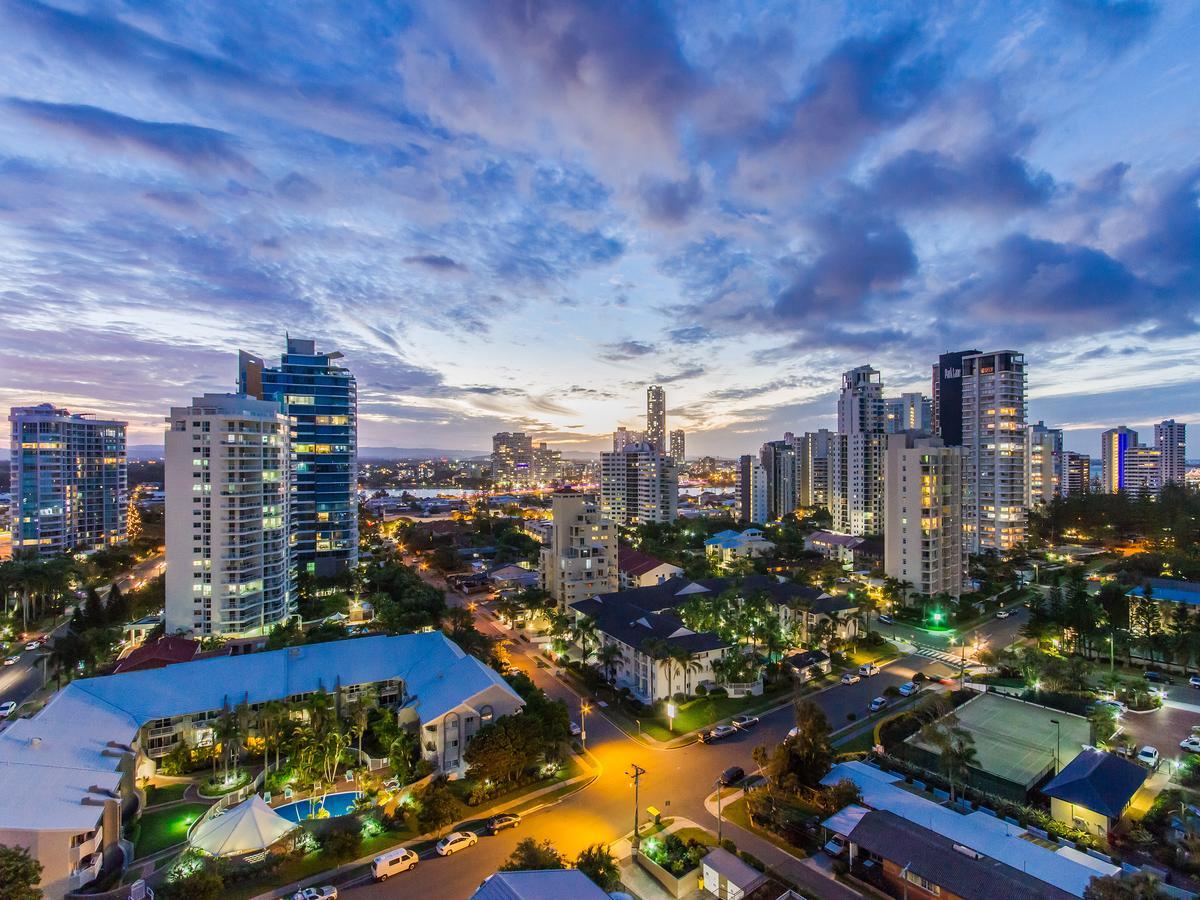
(856, 460)
(656, 418)
(993, 440)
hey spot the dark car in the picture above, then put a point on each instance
(497, 824)
(1157, 677)
(732, 775)
(918, 677)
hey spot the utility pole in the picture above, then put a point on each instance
(718, 812)
(1057, 744)
(636, 774)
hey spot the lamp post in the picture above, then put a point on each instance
(671, 710)
(1057, 744)
(1112, 660)
(584, 709)
(636, 774)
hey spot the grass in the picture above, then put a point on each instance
(568, 770)
(864, 740)
(164, 828)
(705, 837)
(737, 814)
(157, 794)
(703, 712)
(874, 654)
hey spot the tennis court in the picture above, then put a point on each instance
(1015, 741)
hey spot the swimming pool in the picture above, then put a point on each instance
(335, 805)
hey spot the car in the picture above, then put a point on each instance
(866, 670)
(393, 862)
(744, 722)
(576, 730)
(12, 660)
(907, 689)
(1194, 681)
(455, 841)
(1119, 707)
(918, 677)
(887, 620)
(1157, 677)
(836, 846)
(1148, 756)
(732, 775)
(877, 704)
(33, 645)
(497, 824)
(1124, 750)
(850, 678)
(1004, 614)
(716, 734)
(328, 892)
(7, 708)
(1190, 744)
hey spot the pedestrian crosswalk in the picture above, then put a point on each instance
(951, 659)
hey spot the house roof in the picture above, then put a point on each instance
(635, 562)
(742, 875)
(539, 884)
(163, 652)
(835, 539)
(806, 659)
(1099, 781)
(1170, 589)
(936, 858)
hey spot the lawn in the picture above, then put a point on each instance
(164, 828)
(702, 835)
(705, 711)
(157, 794)
(736, 813)
(875, 653)
(568, 770)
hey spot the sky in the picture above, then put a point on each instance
(514, 215)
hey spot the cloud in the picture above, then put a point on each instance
(670, 202)
(993, 180)
(295, 186)
(690, 334)
(627, 349)
(436, 262)
(1111, 25)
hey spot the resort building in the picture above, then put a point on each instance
(580, 558)
(993, 440)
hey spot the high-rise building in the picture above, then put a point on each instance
(856, 460)
(320, 397)
(678, 447)
(993, 440)
(923, 538)
(547, 465)
(623, 437)
(68, 480)
(1077, 473)
(779, 463)
(228, 480)
(638, 485)
(580, 561)
(1114, 445)
(512, 459)
(1170, 438)
(1043, 463)
(656, 418)
(1143, 471)
(948, 396)
(908, 412)
(751, 490)
(812, 468)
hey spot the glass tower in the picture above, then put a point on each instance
(320, 397)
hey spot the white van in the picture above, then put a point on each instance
(392, 863)
(866, 670)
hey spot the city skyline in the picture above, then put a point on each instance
(396, 186)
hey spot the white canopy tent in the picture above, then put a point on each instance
(247, 828)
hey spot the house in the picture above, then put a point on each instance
(808, 665)
(1166, 594)
(727, 876)
(165, 651)
(539, 884)
(137, 632)
(948, 843)
(728, 546)
(636, 569)
(834, 546)
(67, 773)
(513, 577)
(1093, 791)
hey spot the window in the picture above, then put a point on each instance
(914, 878)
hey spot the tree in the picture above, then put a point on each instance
(532, 854)
(1139, 886)
(600, 866)
(341, 838)
(956, 749)
(610, 656)
(1103, 719)
(806, 756)
(438, 806)
(19, 874)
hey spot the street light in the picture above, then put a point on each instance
(636, 774)
(718, 783)
(1112, 664)
(584, 709)
(1057, 744)
(671, 710)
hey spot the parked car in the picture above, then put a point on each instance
(836, 846)
(497, 824)
(1117, 705)
(716, 734)
(866, 670)
(33, 645)
(576, 729)
(850, 678)
(907, 689)
(1194, 681)
(886, 619)
(328, 892)
(1190, 744)
(7, 708)
(1004, 614)
(11, 660)
(393, 862)
(1157, 677)
(877, 704)
(1148, 756)
(732, 775)
(455, 841)
(744, 722)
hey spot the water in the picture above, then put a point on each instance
(335, 804)
(430, 493)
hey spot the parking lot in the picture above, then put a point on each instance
(1164, 728)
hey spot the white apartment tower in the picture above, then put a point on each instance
(856, 458)
(779, 462)
(581, 559)
(923, 536)
(513, 458)
(1170, 439)
(908, 412)
(993, 429)
(812, 468)
(228, 480)
(623, 437)
(656, 418)
(638, 485)
(751, 490)
(1045, 464)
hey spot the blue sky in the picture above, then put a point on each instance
(515, 215)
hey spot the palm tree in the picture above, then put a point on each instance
(586, 633)
(956, 747)
(271, 719)
(681, 657)
(657, 649)
(360, 718)
(609, 655)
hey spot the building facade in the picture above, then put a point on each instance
(638, 485)
(320, 397)
(812, 468)
(1044, 463)
(69, 481)
(1142, 471)
(678, 446)
(751, 490)
(228, 480)
(512, 459)
(993, 438)
(779, 463)
(1077, 473)
(580, 559)
(923, 535)
(908, 412)
(947, 400)
(1170, 439)
(856, 460)
(547, 464)
(1114, 444)
(656, 418)
(623, 437)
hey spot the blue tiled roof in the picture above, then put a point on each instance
(1170, 590)
(1099, 781)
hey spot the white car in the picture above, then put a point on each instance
(907, 689)
(877, 704)
(1148, 756)
(329, 892)
(455, 841)
(1004, 614)
(11, 660)
(716, 734)
(1190, 744)
(851, 678)
(33, 645)
(1116, 705)
(7, 708)
(576, 730)
(1194, 681)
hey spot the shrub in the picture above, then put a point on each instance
(341, 838)
(718, 691)
(701, 690)
(851, 716)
